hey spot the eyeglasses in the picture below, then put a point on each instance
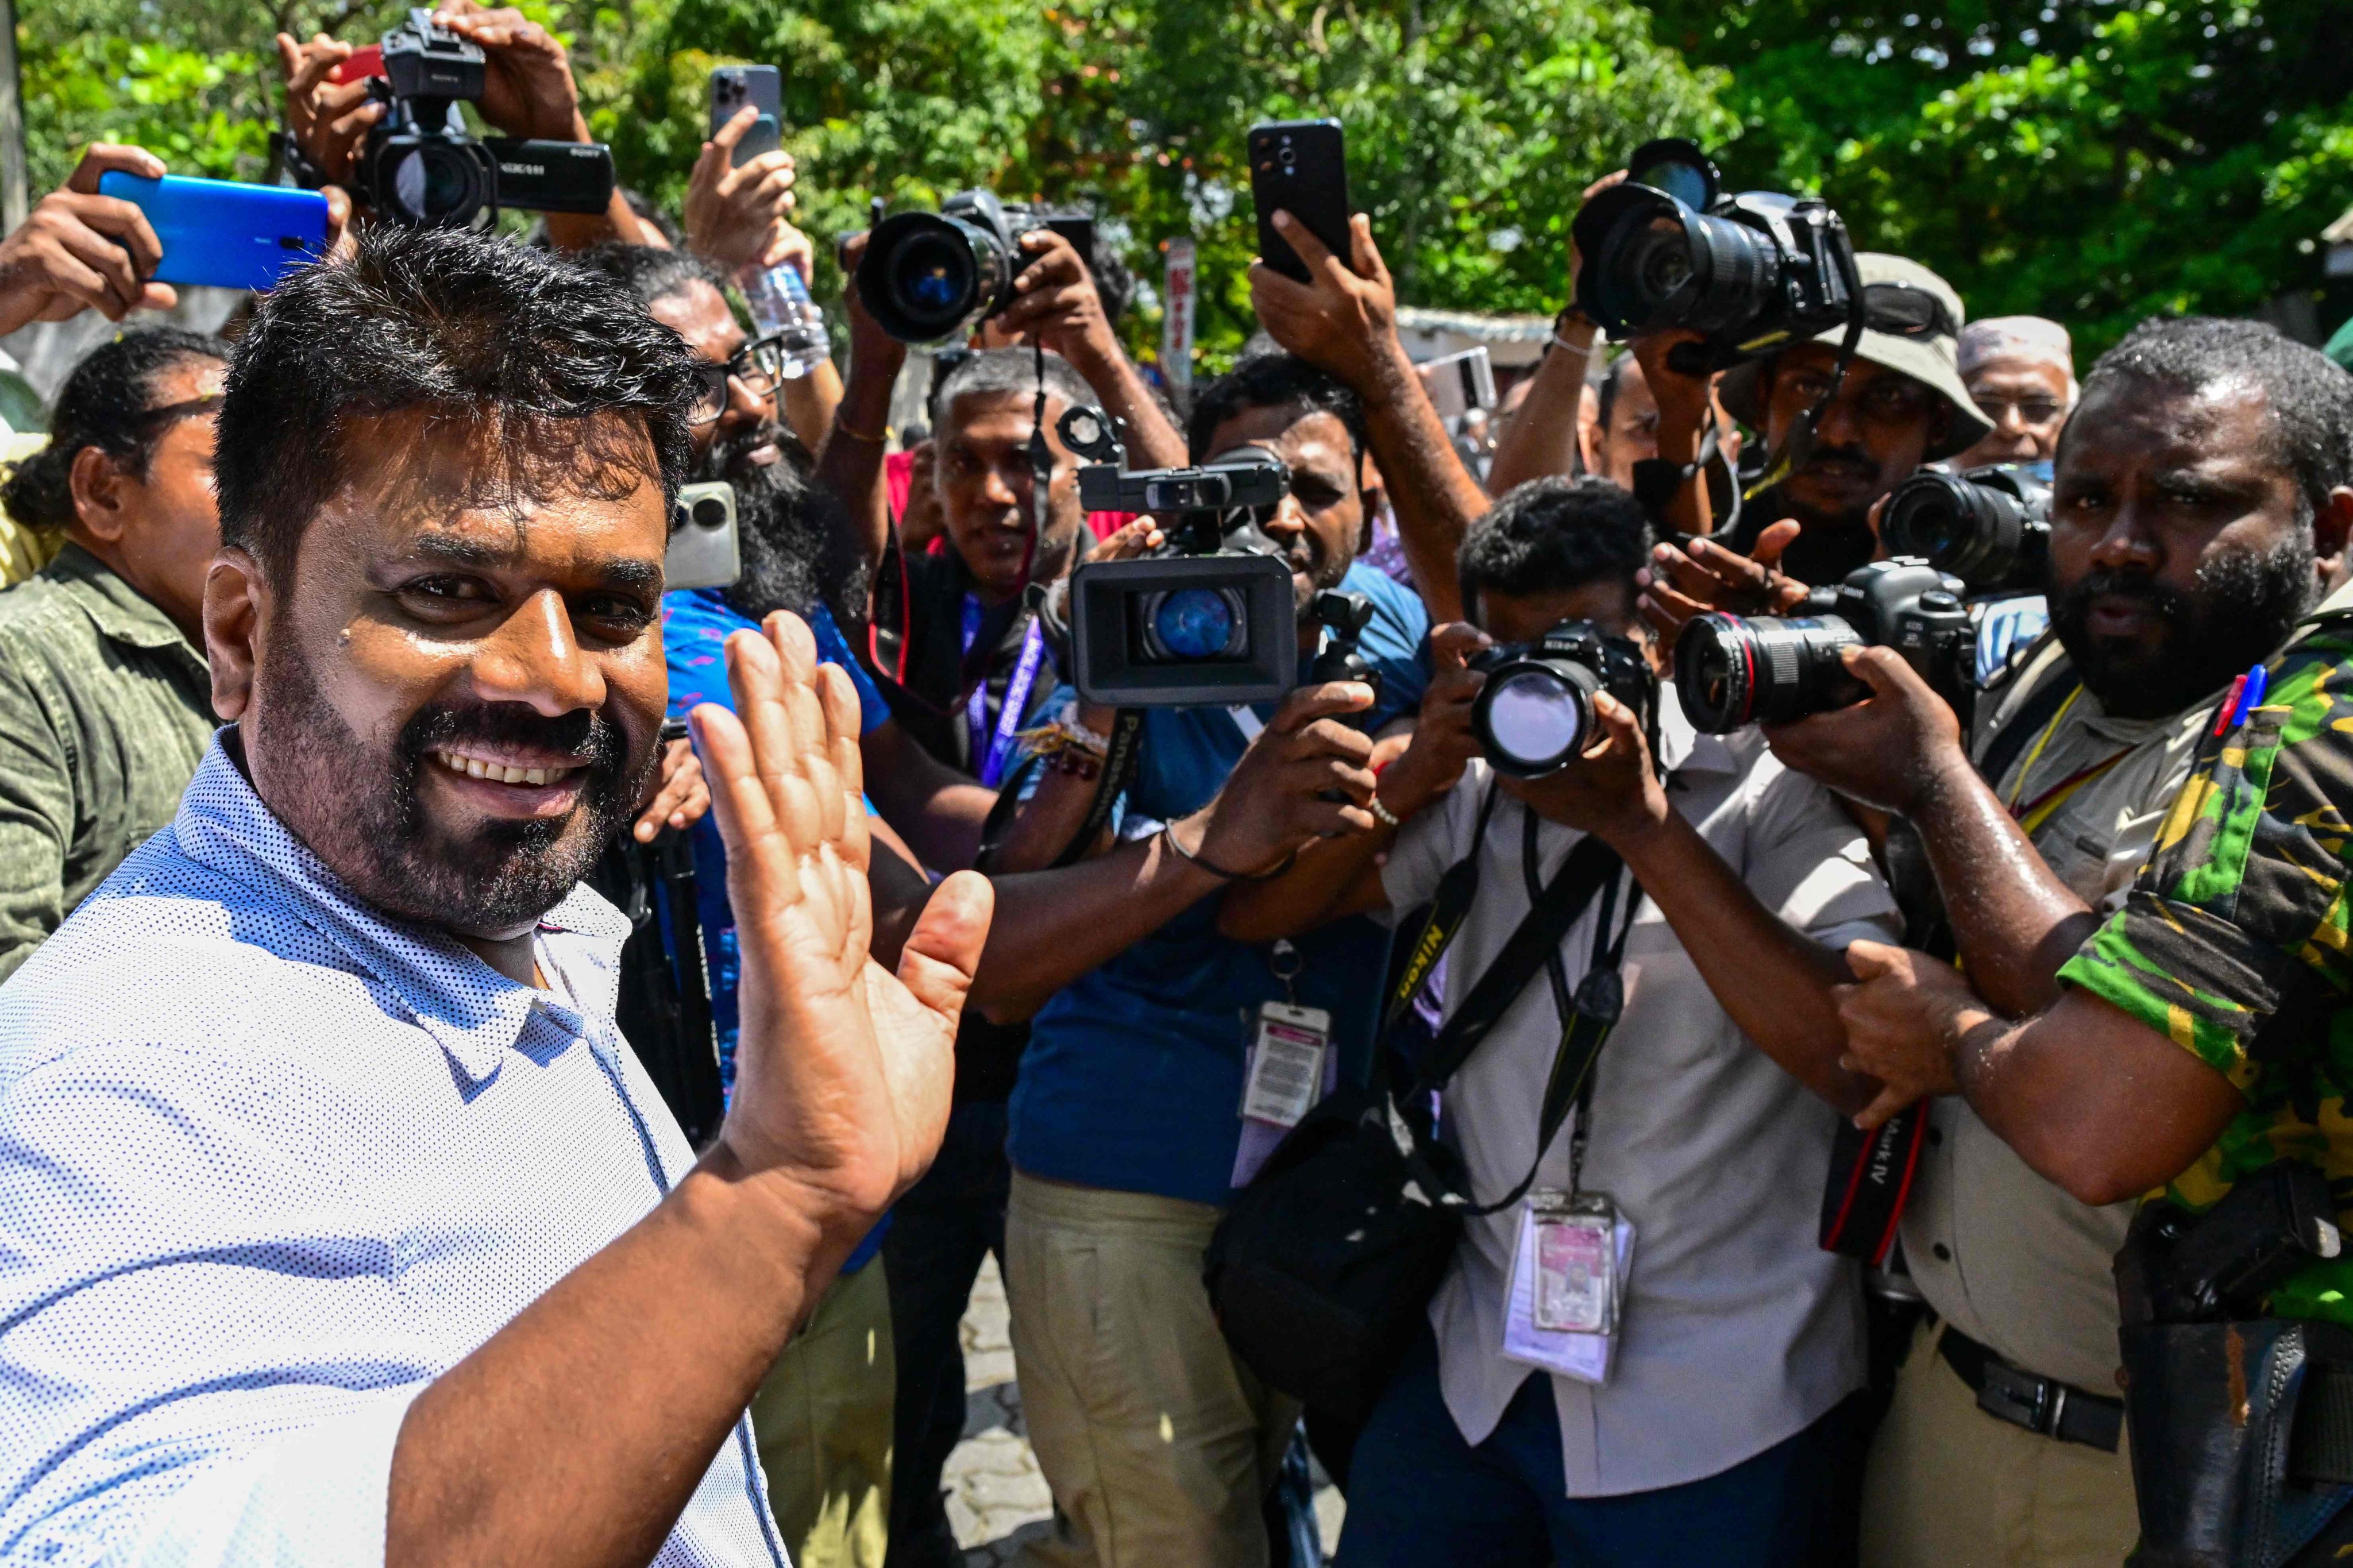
(758, 364)
(2031, 410)
(1901, 310)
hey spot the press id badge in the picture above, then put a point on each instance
(1576, 1248)
(1286, 1069)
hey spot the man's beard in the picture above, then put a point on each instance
(2247, 603)
(1312, 570)
(780, 522)
(1828, 548)
(357, 807)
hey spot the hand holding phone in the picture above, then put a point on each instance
(1301, 167)
(224, 235)
(759, 88)
(79, 250)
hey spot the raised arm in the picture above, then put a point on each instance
(850, 462)
(840, 1099)
(1055, 300)
(1345, 323)
(1541, 439)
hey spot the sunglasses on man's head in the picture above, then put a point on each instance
(758, 364)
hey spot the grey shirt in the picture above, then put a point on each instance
(1738, 1330)
(105, 711)
(2004, 1255)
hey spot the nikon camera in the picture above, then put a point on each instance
(1991, 527)
(1732, 671)
(1751, 271)
(1534, 714)
(420, 167)
(926, 276)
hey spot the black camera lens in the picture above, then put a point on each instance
(1661, 265)
(924, 275)
(1732, 671)
(1990, 527)
(709, 512)
(1533, 717)
(437, 184)
(1190, 625)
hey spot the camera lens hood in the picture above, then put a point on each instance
(924, 275)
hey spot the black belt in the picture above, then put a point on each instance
(2040, 1404)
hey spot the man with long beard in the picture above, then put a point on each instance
(2197, 511)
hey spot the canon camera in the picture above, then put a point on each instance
(926, 276)
(1736, 670)
(1991, 527)
(1534, 714)
(1210, 619)
(1750, 271)
(419, 166)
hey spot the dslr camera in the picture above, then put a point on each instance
(420, 167)
(1751, 271)
(1534, 714)
(1210, 620)
(1991, 527)
(926, 276)
(1732, 671)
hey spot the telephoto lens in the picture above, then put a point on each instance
(1991, 527)
(1736, 670)
(1534, 714)
(924, 275)
(1732, 671)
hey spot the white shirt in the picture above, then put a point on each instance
(271, 1163)
(1738, 1330)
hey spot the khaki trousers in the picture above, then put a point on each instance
(1159, 1446)
(1947, 1486)
(822, 1422)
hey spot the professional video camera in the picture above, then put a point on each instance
(1991, 527)
(1534, 714)
(420, 167)
(1751, 271)
(1212, 620)
(926, 275)
(1736, 670)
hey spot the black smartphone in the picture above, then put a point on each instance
(1301, 167)
(761, 87)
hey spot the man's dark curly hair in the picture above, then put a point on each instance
(1551, 535)
(533, 356)
(1276, 379)
(2310, 396)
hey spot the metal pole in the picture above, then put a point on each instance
(15, 186)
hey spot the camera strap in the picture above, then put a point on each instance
(1119, 766)
(1800, 445)
(992, 748)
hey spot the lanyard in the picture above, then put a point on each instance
(990, 751)
(2032, 814)
(1588, 1014)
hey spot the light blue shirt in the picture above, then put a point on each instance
(270, 1164)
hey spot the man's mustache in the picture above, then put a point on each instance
(1853, 458)
(2103, 583)
(581, 738)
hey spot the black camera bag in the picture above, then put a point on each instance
(1322, 1269)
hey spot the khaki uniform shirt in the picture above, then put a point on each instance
(105, 711)
(2004, 1255)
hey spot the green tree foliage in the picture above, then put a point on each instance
(2094, 163)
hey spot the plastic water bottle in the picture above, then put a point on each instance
(780, 302)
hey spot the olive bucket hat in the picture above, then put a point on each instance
(1912, 324)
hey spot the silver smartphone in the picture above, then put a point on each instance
(703, 549)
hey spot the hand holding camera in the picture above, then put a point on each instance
(1611, 791)
(79, 251)
(527, 85)
(1305, 776)
(1892, 751)
(1055, 303)
(735, 215)
(1445, 739)
(1701, 576)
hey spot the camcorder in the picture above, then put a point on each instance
(1534, 714)
(1751, 271)
(925, 276)
(1212, 619)
(418, 166)
(1732, 671)
(1991, 527)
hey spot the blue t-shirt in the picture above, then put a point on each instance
(1133, 1076)
(695, 626)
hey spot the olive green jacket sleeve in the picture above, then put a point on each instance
(36, 817)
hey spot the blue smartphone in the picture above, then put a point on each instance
(223, 234)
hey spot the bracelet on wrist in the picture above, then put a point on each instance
(1191, 857)
(874, 439)
(1384, 815)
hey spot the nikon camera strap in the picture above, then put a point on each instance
(1587, 1020)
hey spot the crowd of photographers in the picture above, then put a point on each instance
(1737, 960)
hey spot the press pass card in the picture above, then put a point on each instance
(1556, 1273)
(1291, 1068)
(1576, 1276)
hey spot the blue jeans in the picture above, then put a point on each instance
(1419, 1495)
(940, 1231)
